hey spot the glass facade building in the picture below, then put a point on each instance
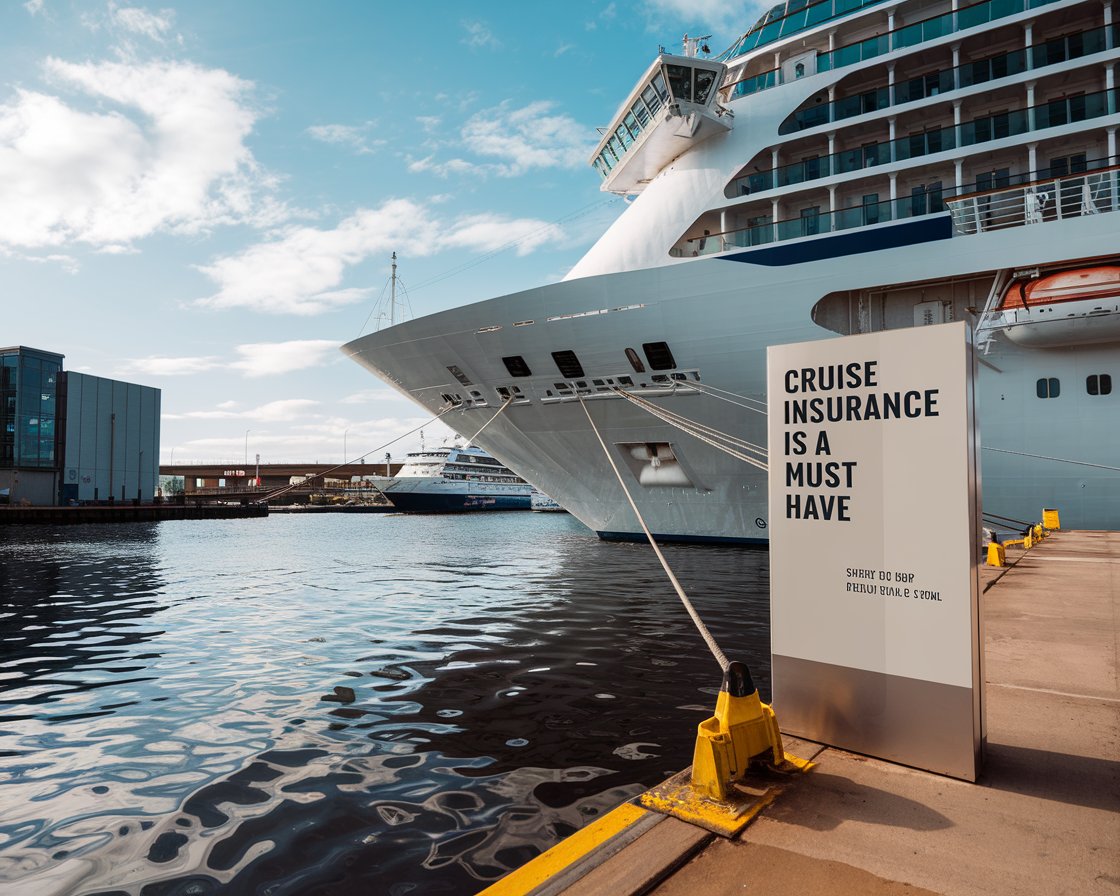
(29, 381)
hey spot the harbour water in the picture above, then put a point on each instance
(341, 703)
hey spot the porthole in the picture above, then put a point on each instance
(1098, 384)
(1048, 387)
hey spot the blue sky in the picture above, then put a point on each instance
(204, 198)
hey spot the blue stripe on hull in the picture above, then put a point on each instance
(825, 247)
(684, 539)
(417, 502)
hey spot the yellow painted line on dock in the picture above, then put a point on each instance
(566, 853)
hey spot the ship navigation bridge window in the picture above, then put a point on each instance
(1098, 384)
(1048, 387)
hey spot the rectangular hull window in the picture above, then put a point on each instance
(659, 355)
(516, 366)
(568, 364)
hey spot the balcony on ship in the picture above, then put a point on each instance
(863, 31)
(1090, 192)
(673, 107)
(882, 199)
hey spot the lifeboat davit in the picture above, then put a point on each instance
(1075, 307)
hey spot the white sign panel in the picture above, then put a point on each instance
(873, 545)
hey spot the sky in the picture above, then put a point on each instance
(205, 197)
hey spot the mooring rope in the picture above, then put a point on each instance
(288, 488)
(719, 655)
(1062, 460)
(491, 420)
(700, 431)
(712, 390)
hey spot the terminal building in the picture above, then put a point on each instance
(68, 437)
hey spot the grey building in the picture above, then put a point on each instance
(68, 436)
(110, 439)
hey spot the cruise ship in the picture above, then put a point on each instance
(847, 166)
(453, 479)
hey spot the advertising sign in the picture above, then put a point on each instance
(874, 522)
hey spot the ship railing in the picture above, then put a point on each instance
(1053, 51)
(852, 54)
(813, 223)
(984, 129)
(1037, 202)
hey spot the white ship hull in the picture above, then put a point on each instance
(719, 316)
(652, 279)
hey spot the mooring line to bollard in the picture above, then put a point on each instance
(363, 456)
(719, 655)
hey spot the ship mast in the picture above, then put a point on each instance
(393, 294)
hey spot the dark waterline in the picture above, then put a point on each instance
(342, 703)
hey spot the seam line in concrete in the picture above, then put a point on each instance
(1090, 697)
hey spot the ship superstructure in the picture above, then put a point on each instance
(845, 167)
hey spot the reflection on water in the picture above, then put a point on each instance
(341, 703)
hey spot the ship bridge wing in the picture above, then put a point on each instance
(673, 107)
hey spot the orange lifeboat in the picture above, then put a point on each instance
(1067, 286)
(1074, 307)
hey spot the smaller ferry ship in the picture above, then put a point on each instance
(542, 503)
(455, 478)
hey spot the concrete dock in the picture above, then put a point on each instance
(1044, 817)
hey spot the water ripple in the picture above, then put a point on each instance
(305, 705)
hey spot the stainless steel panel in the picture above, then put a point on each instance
(918, 723)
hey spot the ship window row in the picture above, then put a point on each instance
(1069, 185)
(657, 354)
(641, 114)
(980, 71)
(673, 83)
(985, 128)
(905, 36)
(1095, 384)
(790, 18)
(929, 29)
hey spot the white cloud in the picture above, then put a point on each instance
(139, 21)
(726, 19)
(511, 141)
(156, 366)
(489, 232)
(160, 148)
(281, 411)
(34, 6)
(273, 358)
(300, 270)
(370, 395)
(354, 137)
(479, 36)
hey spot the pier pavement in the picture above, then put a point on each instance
(1044, 817)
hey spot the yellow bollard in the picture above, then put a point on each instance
(997, 554)
(1050, 519)
(743, 728)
